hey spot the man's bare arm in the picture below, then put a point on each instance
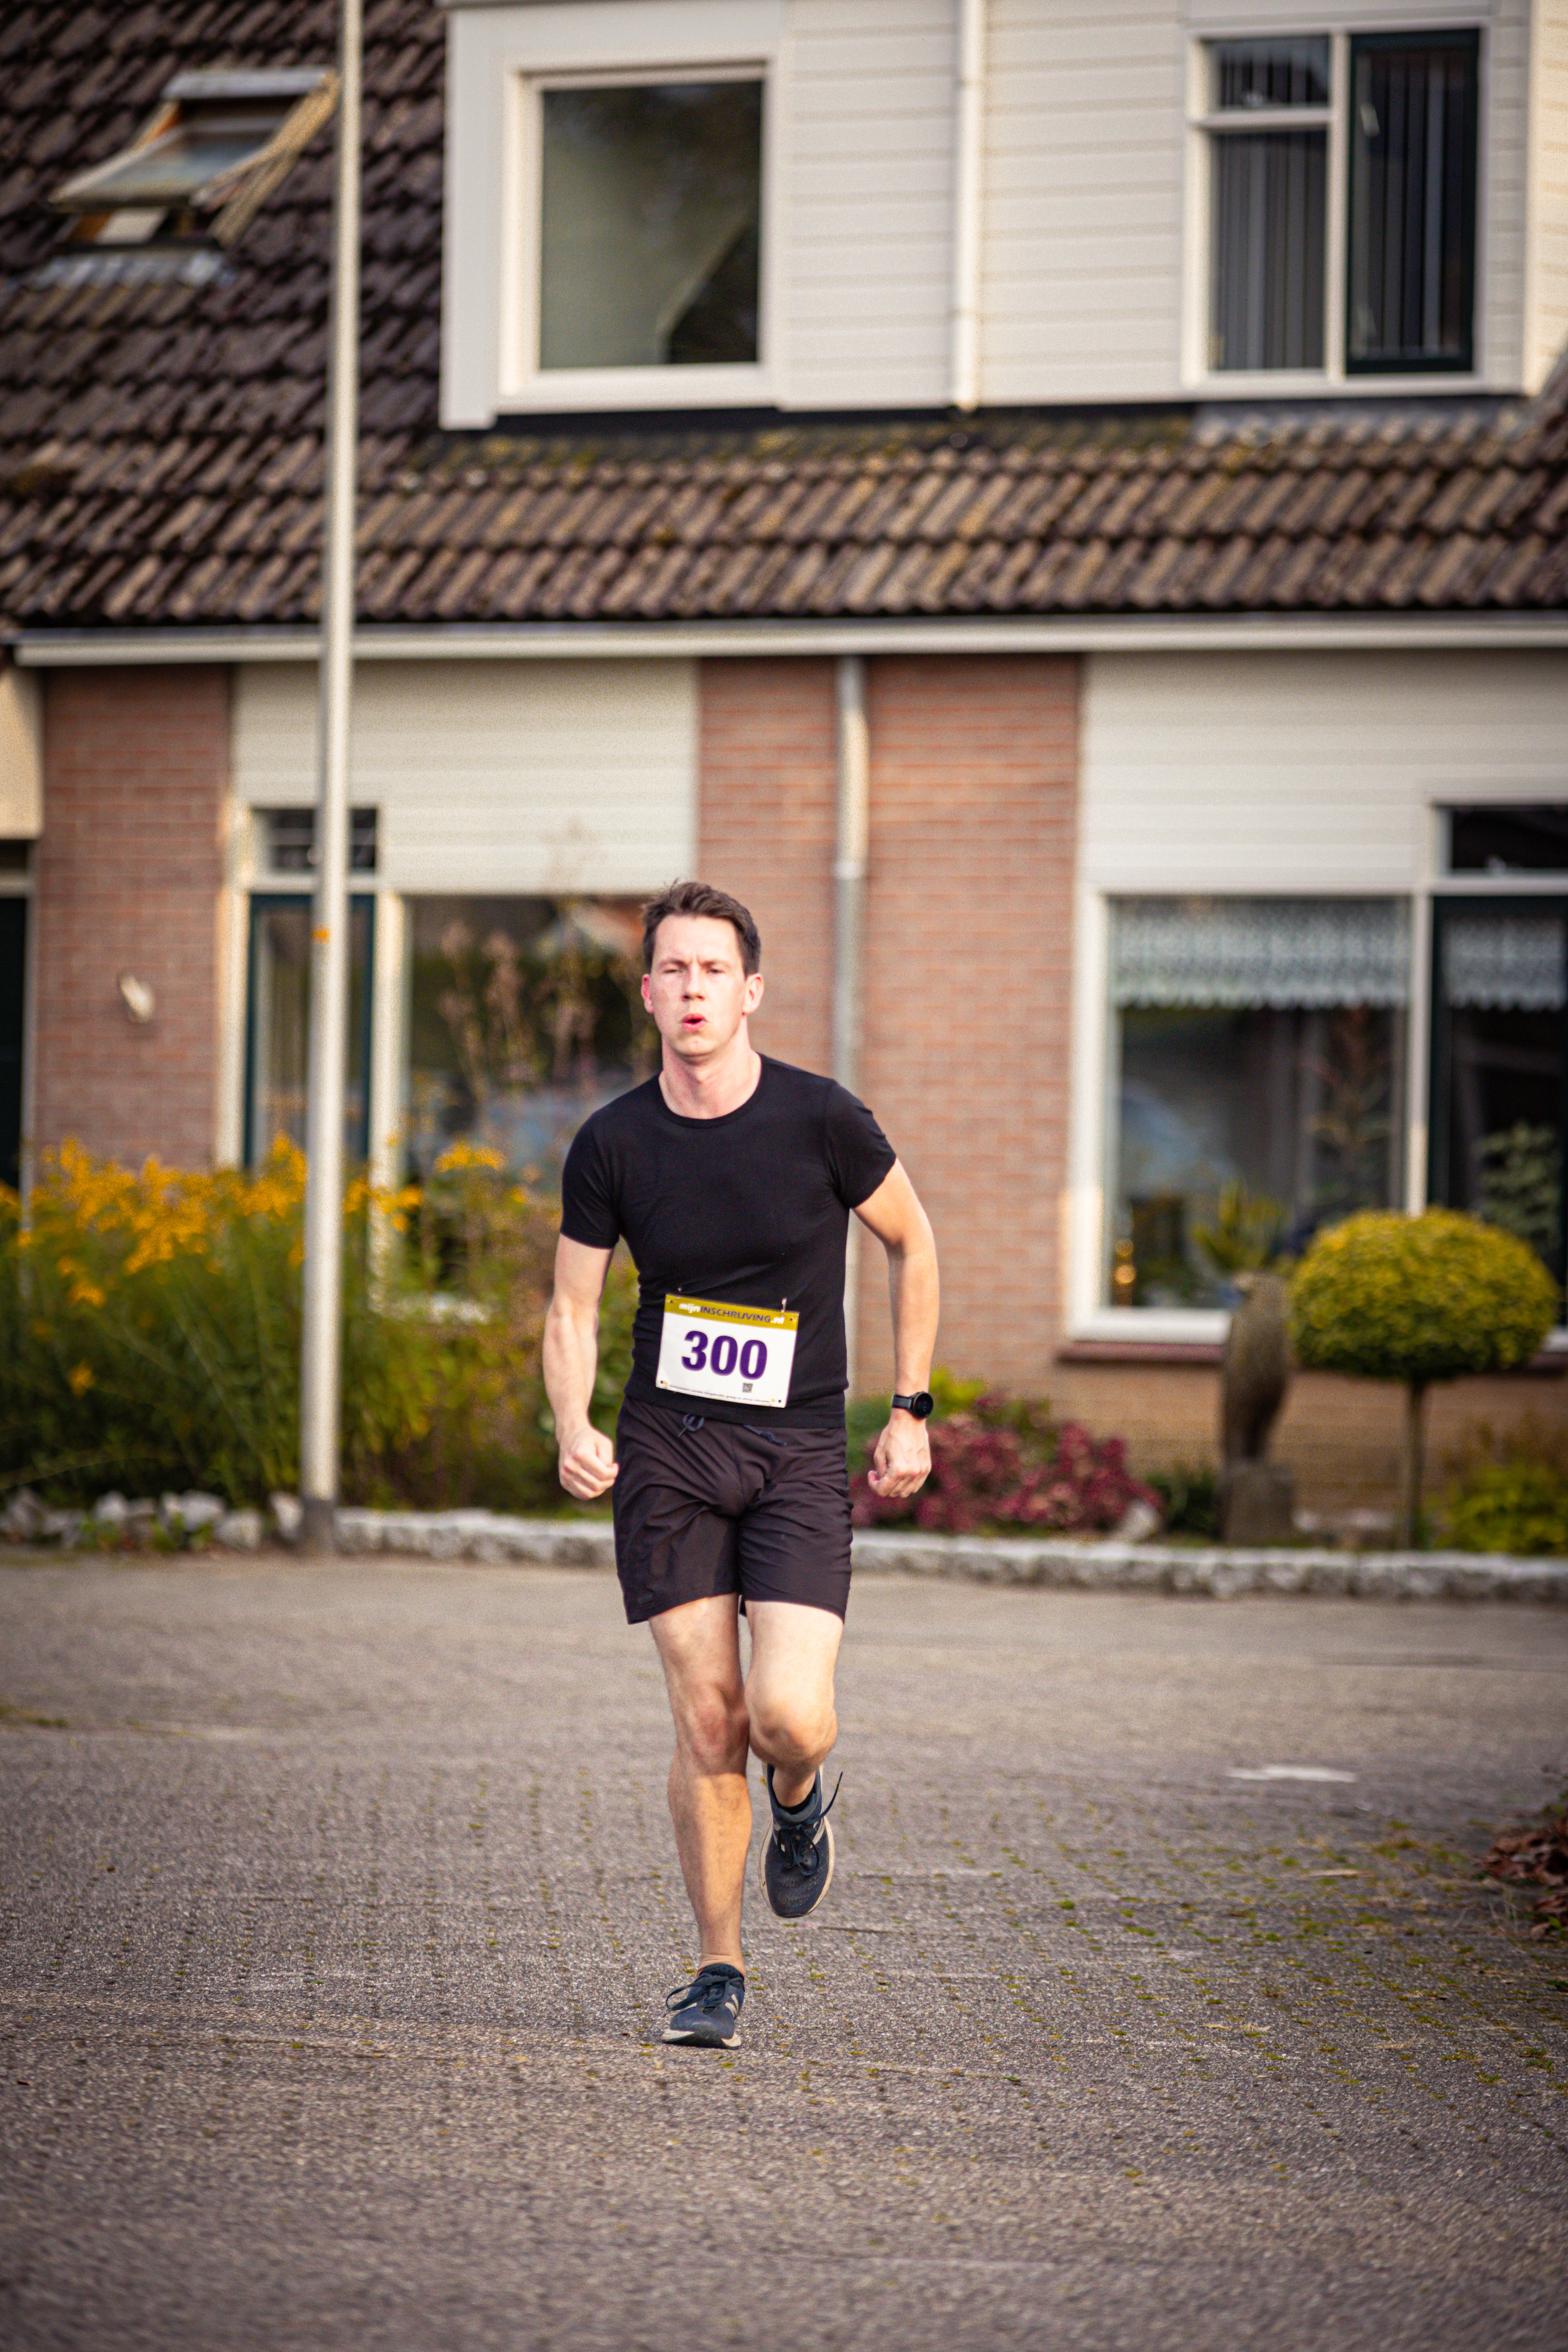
(900, 1461)
(571, 1362)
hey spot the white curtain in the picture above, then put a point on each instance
(1508, 961)
(1260, 951)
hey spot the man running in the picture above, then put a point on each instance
(730, 1178)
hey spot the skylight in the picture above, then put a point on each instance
(206, 160)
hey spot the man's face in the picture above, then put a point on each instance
(697, 990)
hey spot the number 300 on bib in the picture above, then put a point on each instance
(744, 1354)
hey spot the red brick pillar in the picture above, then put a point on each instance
(129, 869)
(768, 772)
(968, 990)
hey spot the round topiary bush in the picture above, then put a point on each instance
(1418, 1300)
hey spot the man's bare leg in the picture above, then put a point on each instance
(784, 1709)
(710, 1802)
(789, 1692)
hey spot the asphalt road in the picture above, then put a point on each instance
(338, 1907)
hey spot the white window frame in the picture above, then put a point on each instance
(248, 873)
(525, 384)
(1086, 1237)
(1203, 125)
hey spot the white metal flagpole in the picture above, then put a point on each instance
(320, 1351)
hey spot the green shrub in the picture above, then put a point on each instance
(1418, 1300)
(1514, 1507)
(150, 1337)
(1423, 1299)
(1188, 1495)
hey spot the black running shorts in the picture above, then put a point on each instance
(708, 1507)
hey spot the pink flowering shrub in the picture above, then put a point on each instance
(1003, 1468)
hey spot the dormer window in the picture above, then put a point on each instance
(613, 213)
(636, 255)
(206, 160)
(649, 223)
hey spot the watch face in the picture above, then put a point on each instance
(922, 1404)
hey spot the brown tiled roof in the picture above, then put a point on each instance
(161, 443)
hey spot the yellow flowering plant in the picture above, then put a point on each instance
(150, 1334)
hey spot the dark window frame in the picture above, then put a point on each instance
(1460, 39)
(1440, 1059)
(1548, 818)
(14, 946)
(280, 820)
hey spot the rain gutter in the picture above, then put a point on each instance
(689, 640)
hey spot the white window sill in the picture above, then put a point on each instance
(1193, 1327)
(1166, 1327)
(597, 390)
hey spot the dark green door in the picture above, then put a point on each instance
(13, 989)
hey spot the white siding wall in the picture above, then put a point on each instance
(1303, 772)
(860, 230)
(1504, 172)
(1085, 159)
(485, 201)
(1086, 144)
(1082, 287)
(496, 776)
(866, 202)
(1546, 322)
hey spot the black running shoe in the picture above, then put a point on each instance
(796, 1864)
(708, 2009)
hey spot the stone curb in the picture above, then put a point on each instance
(1217, 1574)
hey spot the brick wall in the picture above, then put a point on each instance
(1341, 1438)
(135, 769)
(968, 983)
(967, 974)
(967, 994)
(767, 783)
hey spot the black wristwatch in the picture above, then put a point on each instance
(922, 1404)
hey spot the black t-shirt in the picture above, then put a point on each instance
(752, 1209)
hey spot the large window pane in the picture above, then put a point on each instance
(1258, 1085)
(1412, 202)
(1500, 1107)
(524, 1016)
(1255, 74)
(279, 1042)
(1269, 244)
(1519, 838)
(649, 225)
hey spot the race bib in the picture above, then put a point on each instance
(744, 1354)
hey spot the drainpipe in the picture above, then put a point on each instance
(851, 842)
(968, 144)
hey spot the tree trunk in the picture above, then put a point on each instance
(1410, 1499)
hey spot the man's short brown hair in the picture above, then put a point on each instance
(702, 898)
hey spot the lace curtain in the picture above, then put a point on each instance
(1278, 952)
(1505, 961)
